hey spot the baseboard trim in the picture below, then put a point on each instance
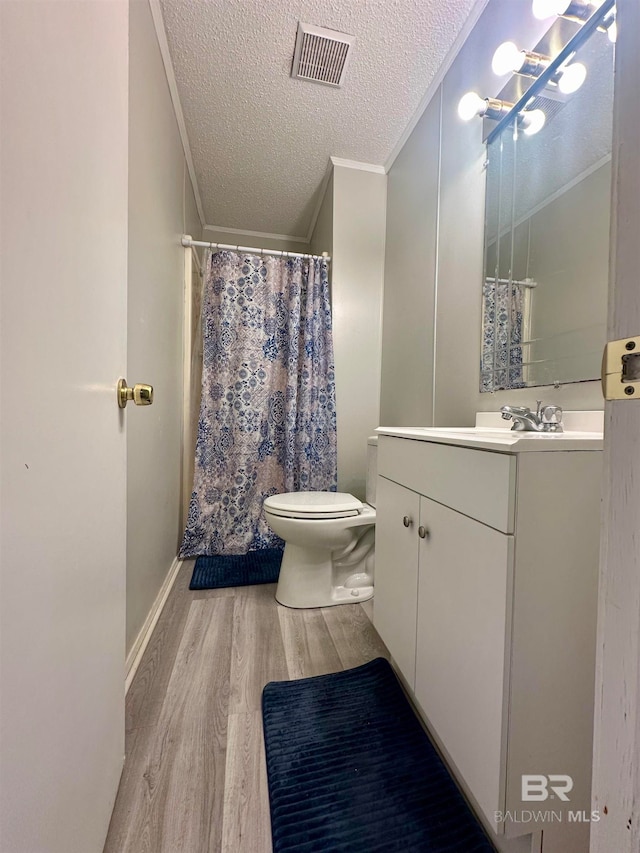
(142, 640)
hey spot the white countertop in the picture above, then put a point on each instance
(489, 434)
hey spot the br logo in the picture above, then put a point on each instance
(537, 787)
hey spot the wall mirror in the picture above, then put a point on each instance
(544, 295)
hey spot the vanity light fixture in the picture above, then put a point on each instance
(575, 10)
(472, 105)
(571, 77)
(532, 121)
(509, 59)
(593, 15)
(611, 26)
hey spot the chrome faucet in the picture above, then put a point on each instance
(544, 419)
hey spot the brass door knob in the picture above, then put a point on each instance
(142, 395)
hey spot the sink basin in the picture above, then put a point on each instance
(500, 439)
(477, 431)
(507, 432)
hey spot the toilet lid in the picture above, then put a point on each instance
(314, 504)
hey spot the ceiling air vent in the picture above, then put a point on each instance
(321, 55)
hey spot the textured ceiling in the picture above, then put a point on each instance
(261, 140)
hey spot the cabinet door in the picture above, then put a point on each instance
(464, 585)
(396, 580)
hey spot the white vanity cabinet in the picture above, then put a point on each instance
(486, 590)
(397, 518)
(465, 573)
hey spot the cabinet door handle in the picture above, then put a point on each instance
(407, 521)
(424, 532)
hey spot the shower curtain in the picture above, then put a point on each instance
(267, 412)
(502, 327)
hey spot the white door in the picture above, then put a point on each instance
(616, 770)
(64, 103)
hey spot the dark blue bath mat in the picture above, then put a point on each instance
(237, 570)
(350, 769)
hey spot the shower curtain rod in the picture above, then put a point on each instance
(526, 282)
(187, 241)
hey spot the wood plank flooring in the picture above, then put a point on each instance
(194, 779)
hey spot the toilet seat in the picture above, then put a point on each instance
(314, 505)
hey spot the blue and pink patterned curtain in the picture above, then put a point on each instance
(267, 413)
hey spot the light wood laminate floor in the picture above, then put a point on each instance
(194, 779)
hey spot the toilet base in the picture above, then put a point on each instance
(306, 580)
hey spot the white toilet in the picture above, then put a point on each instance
(329, 543)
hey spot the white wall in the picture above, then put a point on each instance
(63, 79)
(410, 274)
(359, 202)
(258, 241)
(161, 209)
(456, 276)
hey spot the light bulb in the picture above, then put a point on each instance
(507, 59)
(612, 32)
(533, 121)
(471, 105)
(548, 8)
(573, 76)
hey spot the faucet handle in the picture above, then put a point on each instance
(551, 415)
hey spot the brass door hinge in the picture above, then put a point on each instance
(621, 369)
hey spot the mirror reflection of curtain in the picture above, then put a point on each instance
(267, 412)
(503, 309)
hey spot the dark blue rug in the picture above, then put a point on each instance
(351, 769)
(237, 570)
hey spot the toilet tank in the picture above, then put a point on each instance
(372, 469)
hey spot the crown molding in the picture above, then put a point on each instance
(161, 35)
(428, 96)
(263, 234)
(355, 164)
